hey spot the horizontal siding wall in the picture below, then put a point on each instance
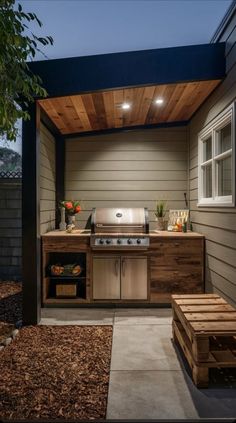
(127, 169)
(10, 229)
(47, 181)
(217, 224)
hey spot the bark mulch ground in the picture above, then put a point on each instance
(56, 372)
(10, 301)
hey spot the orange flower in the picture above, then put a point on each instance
(77, 209)
(68, 205)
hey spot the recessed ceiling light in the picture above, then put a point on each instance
(159, 101)
(125, 106)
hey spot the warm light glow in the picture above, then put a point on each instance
(159, 101)
(125, 106)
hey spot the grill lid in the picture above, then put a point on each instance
(134, 220)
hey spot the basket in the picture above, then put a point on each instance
(72, 270)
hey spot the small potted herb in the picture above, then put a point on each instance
(160, 214)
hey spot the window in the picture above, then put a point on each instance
(216, 163)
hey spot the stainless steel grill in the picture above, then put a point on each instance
(119, 228)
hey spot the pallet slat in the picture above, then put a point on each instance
(210, 317)
(211, 328)
(208, 308)
(192, 296)
(225, 356)
(193, 301)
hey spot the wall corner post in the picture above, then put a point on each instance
(31, 245)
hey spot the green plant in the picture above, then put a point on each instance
(18, 85)
(160, 209)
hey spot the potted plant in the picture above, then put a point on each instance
(160, 214)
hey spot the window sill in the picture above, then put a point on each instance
(215, 204)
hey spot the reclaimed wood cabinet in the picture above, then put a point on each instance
(176, 267)
(174, 264)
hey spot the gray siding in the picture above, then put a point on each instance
(47, 181)
(10, 229)
(217, 224)
(127, 169)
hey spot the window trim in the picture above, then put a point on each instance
(227, 116)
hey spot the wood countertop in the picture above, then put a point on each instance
(153, 234)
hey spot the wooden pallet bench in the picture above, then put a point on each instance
(204, 326)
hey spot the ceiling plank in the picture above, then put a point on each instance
(81, 112)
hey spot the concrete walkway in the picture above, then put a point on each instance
(149, 378)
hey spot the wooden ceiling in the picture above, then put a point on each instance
(102, 110)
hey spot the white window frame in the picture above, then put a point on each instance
(227, 116)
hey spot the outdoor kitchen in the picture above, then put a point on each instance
(117, 236)
(120, 261)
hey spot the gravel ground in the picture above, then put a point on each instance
(56, 372)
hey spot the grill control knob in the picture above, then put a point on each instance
(119, 241)
(101, 241)
(108, 241)
(129, 241)
(138, 241)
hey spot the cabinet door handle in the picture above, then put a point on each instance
(123, 266)
(117, 267)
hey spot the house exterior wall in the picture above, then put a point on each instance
(47, 180)
(127, 169)
(217, 224)
(10, 229)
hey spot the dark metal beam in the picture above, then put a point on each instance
(31, 251)
(45, 119)
(76, 75)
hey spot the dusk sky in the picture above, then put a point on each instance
(85, 27)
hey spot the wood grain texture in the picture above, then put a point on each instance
(176, 266)
(102, 110)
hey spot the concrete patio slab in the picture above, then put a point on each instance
(76, 316)
(143, 347)
(154, 316)
(149, 395)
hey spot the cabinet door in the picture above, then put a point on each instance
(134, 278)
(106, 278)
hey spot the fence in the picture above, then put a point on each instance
(10, 227)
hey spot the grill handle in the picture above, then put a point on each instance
(123, 267)
(117, 267)
(100, 225)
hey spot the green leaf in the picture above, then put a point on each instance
(18, 85)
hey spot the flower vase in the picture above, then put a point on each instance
(71, 221)
(62, 224)
(160, 225)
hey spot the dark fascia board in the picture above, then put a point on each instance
(126, 129)
(62, 77)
